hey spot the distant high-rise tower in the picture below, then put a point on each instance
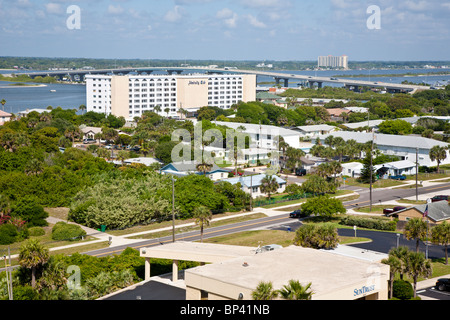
(333, 62)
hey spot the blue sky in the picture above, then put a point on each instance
(227, 29)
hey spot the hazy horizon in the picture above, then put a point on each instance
(228, 30)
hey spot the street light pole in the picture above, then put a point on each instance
(173, 209)
(417, 174)
(428, 225)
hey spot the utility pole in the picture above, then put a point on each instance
(371, 170)
(173, 209)
(417, 174)
(9, 275)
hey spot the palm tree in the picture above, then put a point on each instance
(34, 167)
(122, 155)
(401, 253)
(204, 167)
(32, 255)
(264, 291)
(103, 153)
(416, 229)
(418, 266)
(3, 102)
(440, 234)
(395, 265)
(294, 290)
(294, 157)
(82, 108)
(202, 217)
(269, 185)
(438, 154)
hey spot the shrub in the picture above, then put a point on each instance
(403, 290)
(8, 233)
(36, 231)
(324, 236)
(65, 231)
(30, 211)
(370, 223)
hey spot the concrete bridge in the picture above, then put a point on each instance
(277, 76)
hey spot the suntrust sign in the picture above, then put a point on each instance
(363, 290)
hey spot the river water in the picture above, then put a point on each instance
(71, 96)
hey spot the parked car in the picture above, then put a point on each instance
(300, 172)
(399, 177)
(439, 198)
(296, 214)
(88, 141)
(443, 284)
(135, 148)
(392, 210)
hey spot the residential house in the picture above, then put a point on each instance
(90, 132)
(352, 169)
(403, 147)
(437, 213)
(396, 168)
(314, 132)
(21, 114)
(265, 136)
(338, 114)
(185, 168)
(4, 117)
(252, 184)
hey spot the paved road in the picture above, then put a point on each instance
(382, 195)
(195, 235)
(383, 241)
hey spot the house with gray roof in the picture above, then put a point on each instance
(403, 147)
(396, 168)
(438, 212)
(315, 131)
(252, 184)
(185, 168)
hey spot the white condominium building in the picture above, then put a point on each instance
(131, 95)
(333, 62)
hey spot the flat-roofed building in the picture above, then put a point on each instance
(234, 272)
(333, 62)
(129, 96)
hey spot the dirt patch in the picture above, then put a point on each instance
(60, 213)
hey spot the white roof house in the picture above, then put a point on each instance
(264, 136)
(316, 130)
(352, 169)
(403, 147)
(396, 168)
(252, 184)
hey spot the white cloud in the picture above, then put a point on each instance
(174, 15)
(54, 8)
(115, 10)
(255, 22)
(228, 16)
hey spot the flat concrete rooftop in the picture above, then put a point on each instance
(330, 274)
(194, 251)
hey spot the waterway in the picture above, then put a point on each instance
(71, 96)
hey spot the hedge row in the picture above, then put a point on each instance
(370, 223)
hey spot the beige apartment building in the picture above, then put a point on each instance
(130, 96)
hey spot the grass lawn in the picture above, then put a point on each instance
(385, 183)
(375, 209)
(267, 237)
(428, 176)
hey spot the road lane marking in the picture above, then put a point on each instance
(195, 235)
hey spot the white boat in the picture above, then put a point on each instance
(52, 90)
